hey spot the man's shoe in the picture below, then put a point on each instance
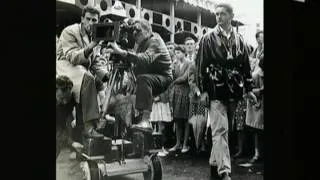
(144, 126)
(214, 172)
(226, 176)
(101, 124)
(175, 148)
(254, 159)
(165, 151)
(162, 154)
(185, 149)
(93, 134)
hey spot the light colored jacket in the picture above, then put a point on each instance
(71, 60)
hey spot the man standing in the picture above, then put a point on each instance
(258, 52)
(222, 72)
(75, 59)
(171, 47)
(190, 45)
(153, 69)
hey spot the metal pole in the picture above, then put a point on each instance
(172, 21)
(199, 18)
(138, 5)
(199, 23)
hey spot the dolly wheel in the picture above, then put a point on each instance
(155, 171)
(90, 171)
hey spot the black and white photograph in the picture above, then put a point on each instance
(160, 89)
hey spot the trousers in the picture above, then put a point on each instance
(149, 85)
(87, 109)
(221, 114)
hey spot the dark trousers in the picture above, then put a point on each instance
(149, 85)
(63, 130)
(88, 108)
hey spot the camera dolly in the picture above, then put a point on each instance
(112, 156)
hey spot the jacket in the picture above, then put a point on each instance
(72, 42)
(152, 57)
(70, 58)
(222, 78)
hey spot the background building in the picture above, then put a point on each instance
(169, 17)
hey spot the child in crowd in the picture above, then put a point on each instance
(160, 118)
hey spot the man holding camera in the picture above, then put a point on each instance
(153, 70)
(75, 59)
(223, 72)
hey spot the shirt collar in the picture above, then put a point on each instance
(224, 33)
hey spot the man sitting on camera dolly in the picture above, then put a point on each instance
(153, 71)
(76, 60)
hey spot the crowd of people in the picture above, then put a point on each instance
(211, 88)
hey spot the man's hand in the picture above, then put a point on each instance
(156, 99)
(92, 44)
(204, 99)
(88, 50)
(115, 49)
(77, 146)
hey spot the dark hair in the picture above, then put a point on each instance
(258, 34)
(189, 38)
(169, 43)
(64, 83)
(91, 10)
(227, 6)
(180, 48)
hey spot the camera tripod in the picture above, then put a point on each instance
(115, 86)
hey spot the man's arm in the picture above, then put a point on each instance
(72, 50)
(202, 62)
(147, 57)
(246, 69)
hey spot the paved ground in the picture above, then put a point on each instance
(184, 167)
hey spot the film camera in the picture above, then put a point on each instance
(119, 32)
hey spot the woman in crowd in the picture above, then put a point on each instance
(171, 47)
(240, 118)
(160, 118)
(254, 116)
(180, 99)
